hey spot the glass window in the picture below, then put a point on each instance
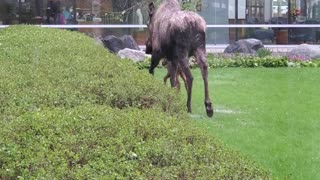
(8, 12)
(255, 11)
(216, 12)
(97, 12)
(279, 8)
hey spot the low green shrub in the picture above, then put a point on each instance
(58, 68)
(94, 141)
(247, 61)
(263, 52)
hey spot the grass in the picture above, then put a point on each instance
(270, 115)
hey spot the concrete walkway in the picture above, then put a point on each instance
(219, 48)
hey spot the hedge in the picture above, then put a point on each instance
(71, 110)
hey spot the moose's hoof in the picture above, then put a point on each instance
(209, 109)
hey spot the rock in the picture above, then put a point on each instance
(244, 46)
(304, 52)
(132, 54)
(115, 44)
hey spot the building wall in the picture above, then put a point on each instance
(213, 11)
(216, 12)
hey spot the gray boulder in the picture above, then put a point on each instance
(304, 52)
(132, 54)
(244, 46)
(115, 44)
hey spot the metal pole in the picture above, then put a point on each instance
(289, 12)
(236, 18)
(19, 10)
(74, 10)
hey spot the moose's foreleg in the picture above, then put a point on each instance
(184, 65)
(155, 59)
(202, 63)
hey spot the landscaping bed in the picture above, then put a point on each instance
(263, 58)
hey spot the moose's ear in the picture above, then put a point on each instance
(151, 8)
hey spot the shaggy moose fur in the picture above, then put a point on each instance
(176, 35)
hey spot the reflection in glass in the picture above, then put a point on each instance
(97, 12)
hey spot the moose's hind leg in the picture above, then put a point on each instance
(184, 65)
(202, 63)
(172, 71)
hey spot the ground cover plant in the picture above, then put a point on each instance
(71, 110)
(263, 58)
(268, 114)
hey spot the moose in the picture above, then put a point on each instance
(177, 35)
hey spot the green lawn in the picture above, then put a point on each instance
(270, 115)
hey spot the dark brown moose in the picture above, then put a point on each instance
(177, 35)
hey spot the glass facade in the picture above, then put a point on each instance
(93, 12)
(216, 12)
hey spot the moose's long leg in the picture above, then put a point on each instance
(184, 65)
(172, 70)
(202, 63)
(181, 74)
(155, 59)
(166, 77)
(178, 73)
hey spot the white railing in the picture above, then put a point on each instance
(209, 46)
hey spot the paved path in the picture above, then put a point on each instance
(219, 48)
